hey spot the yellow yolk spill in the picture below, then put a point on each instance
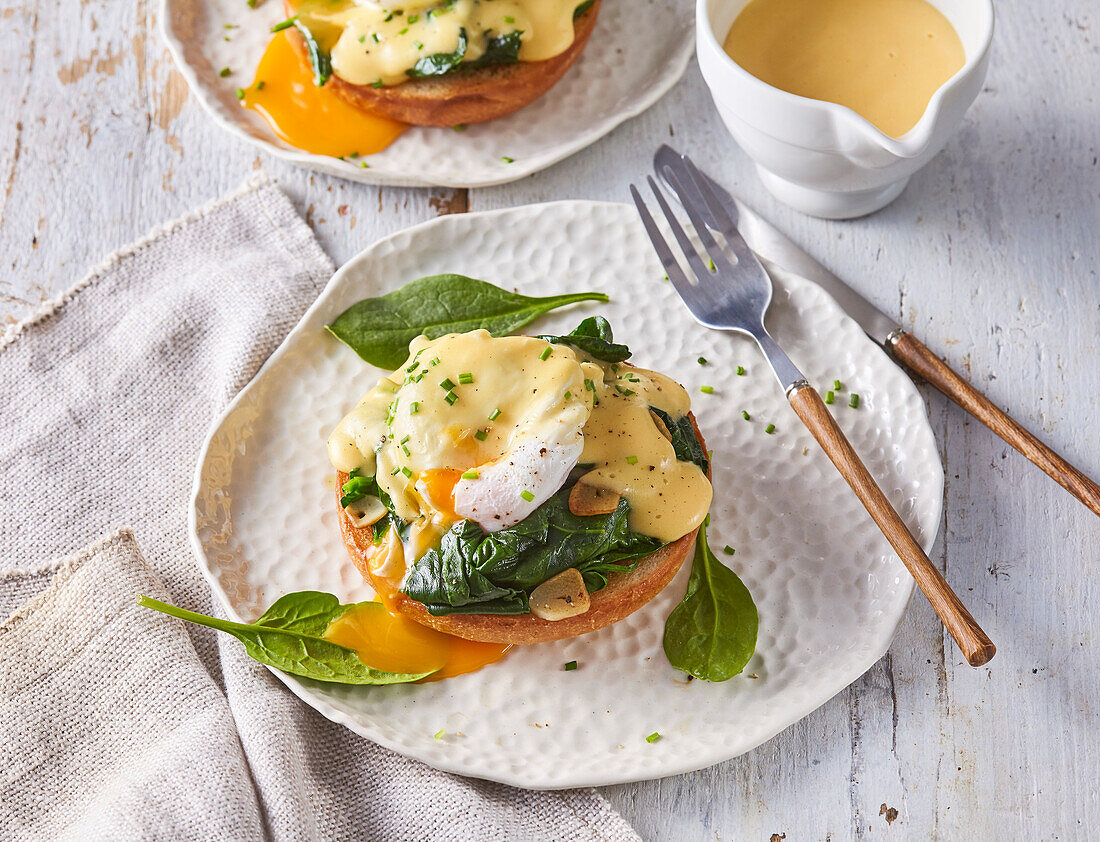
(882, 58)
(393, 643)
(311, 118)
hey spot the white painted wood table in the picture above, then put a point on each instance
(991, 256)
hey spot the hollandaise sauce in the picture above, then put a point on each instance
(884, 59)
(389, 642)
(308, 117)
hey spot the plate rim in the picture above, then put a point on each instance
(300, 687)
(649, 96)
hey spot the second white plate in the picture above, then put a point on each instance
(830, 591)
(637, 52)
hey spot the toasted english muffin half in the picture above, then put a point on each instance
(624, 593)
(464, 96)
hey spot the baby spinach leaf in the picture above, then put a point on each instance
(289, 637)
(380, 329)
(684, 441)
(594, 337)
(476, 573)
(319, 59)
(439, 64)
(502, 49)
(711, 634)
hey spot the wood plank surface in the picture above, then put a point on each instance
(991, 257)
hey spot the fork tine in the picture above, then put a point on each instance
(721, 216)
(679, 183)
(686, 246)
(668, 260)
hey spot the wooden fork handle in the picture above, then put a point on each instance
(975, 645)
(909, 350)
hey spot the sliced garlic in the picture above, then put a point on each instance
(366, 511)
(562, 596)
(586, 500)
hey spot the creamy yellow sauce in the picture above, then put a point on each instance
(882, 58)
(464, 403)
(377, 43)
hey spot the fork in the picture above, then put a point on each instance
(734, 295)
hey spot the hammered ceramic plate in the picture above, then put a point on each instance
(637, 52)
(829, 589)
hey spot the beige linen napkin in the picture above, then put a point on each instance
(118, 723)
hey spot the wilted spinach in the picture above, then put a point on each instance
(379, 329)
(289, 637)
(319, 59)
(476, 573)
(594, 337)
(711, 634)
(684, 441)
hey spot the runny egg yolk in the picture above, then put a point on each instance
(439, 485)
(392, 643)
(311, 118)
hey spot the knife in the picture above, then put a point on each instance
(776, 249)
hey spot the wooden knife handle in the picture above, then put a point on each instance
(975, 645)
(909, 350)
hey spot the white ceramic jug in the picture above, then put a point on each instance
(822, 158)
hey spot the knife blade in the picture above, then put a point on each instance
(776, 249)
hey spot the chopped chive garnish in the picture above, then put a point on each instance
(433, 361)
(403, 30)
(418, 44)
(707, 390)
(546, 352)
(622, 391)
(405, 450)
(404, 440)
(388, 17)
(450, 398)
(741, 370)
(225, 71)
(495, 414)
(652, 738)
(837, 385)
(632, 460)
(572, 665)
(413, 18)
(414, 407)
(470, 474)
(853, 401)
(745, 415)
(568, 395)
(589, 385)
(362, 38)
(377, 83)
(240, 93)
(527, 495)
(406, 472)
(712, 268)
(481, 435)
(509, 19)
(702, 361)
(830, 396)
(465, 377)
(507, 160)
(260, 85)
(460, 127)
(728, 550)
(440, 734)
(446, 383)
(395, 472)
(286, 24)
(769, 429)
(374, 37)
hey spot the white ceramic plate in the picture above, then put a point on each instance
(637, 52)
(829, 589)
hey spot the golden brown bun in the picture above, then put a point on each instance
(471, 96)
(625, 592)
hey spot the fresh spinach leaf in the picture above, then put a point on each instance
(477, 573)
(380, 329)
(289, 637)
(684, 441)
(711, 634)
(319, 59)
(501, 49)
(594, 337)
(439, 64)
